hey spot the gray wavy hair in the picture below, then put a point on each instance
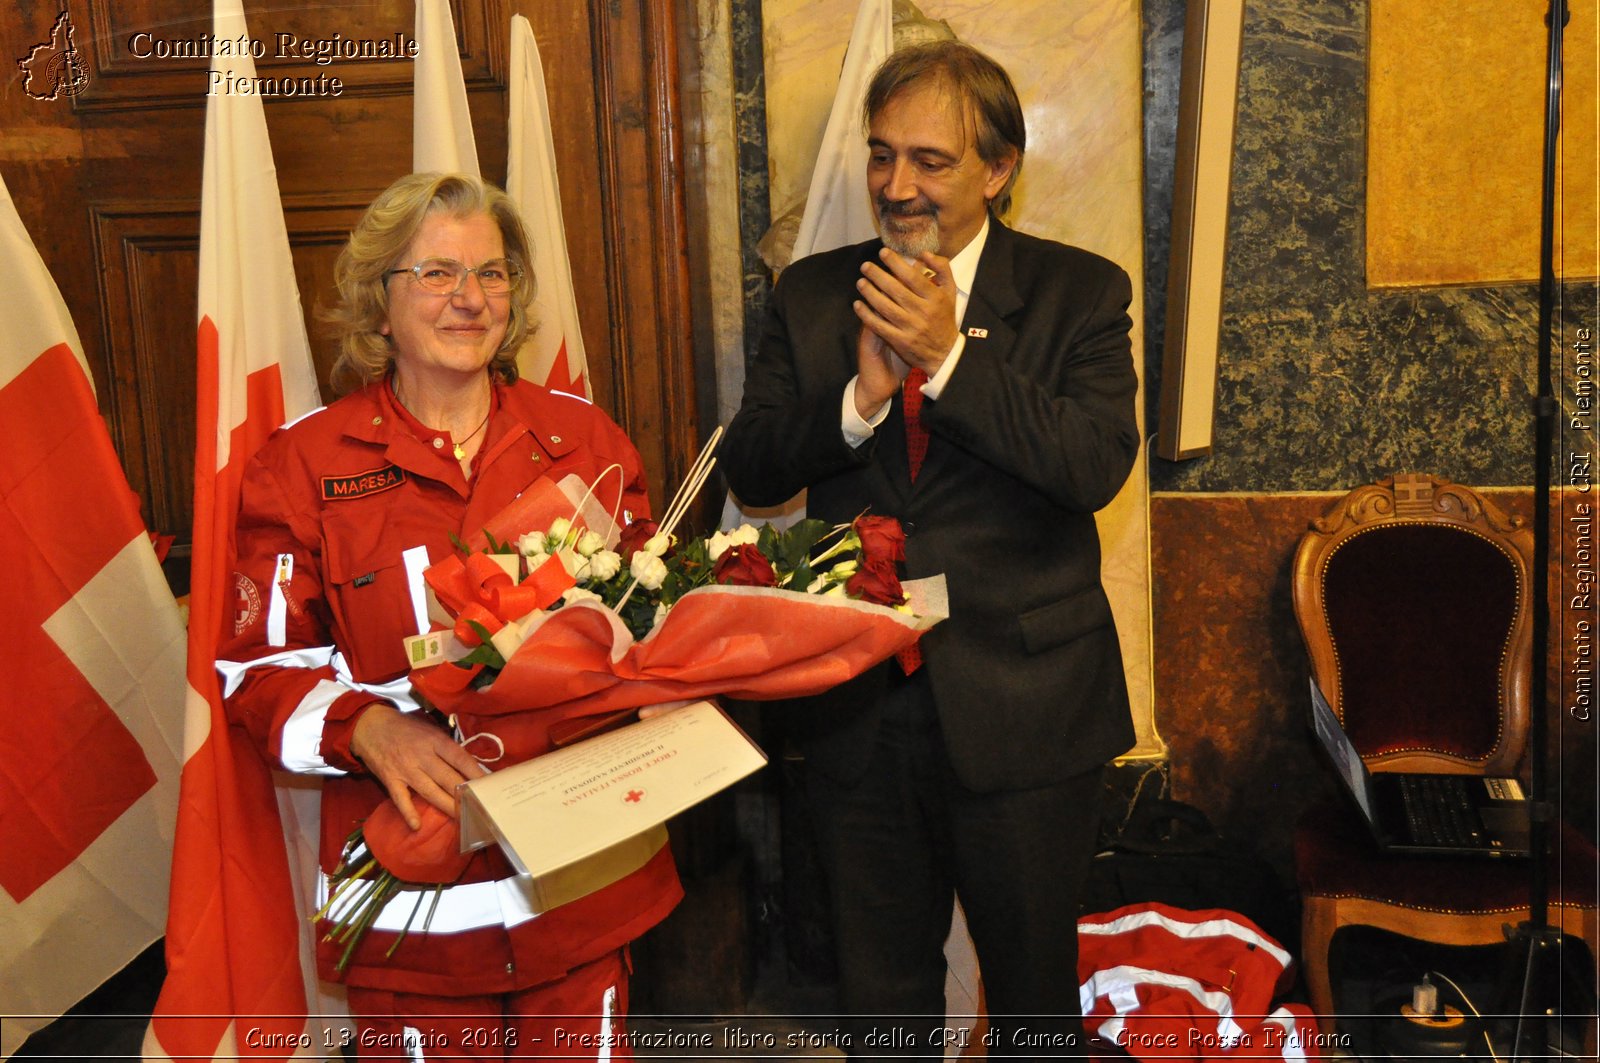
(375, 246)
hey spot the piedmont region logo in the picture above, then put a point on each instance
(55, 68)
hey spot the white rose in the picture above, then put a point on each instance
(743, 535)
(591, 543)
(579, 594)
(661, 614)
(649, 570)
(603, 565)
(531, 545)
(559, 528)
(656, 546)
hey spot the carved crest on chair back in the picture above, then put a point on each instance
(1420, 496)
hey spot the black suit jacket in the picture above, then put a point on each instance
(1034, 431)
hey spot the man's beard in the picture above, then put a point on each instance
(910, 240)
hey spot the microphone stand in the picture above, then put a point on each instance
(1532, 989)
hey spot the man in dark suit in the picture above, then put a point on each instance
(977, 771)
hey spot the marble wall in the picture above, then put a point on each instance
(1323, 385)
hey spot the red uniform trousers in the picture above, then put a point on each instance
(577, 1017)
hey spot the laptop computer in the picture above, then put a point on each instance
(1427, 813)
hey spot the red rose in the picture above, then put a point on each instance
(431, 853)
(876, 581)
(634, 536)
(744, 566)
(881, 539)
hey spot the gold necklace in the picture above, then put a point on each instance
(459, 448)
(460, 452)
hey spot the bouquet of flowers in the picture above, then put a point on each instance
(656, 619)
(559, 615)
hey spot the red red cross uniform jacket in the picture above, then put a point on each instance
(1161, 982)
(340, 513)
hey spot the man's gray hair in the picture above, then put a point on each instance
(980, 83)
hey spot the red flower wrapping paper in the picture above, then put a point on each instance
(751, 643)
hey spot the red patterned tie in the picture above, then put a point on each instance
(910, 658)
(916, 435)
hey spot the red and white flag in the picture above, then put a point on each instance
(838, 211)
(553, 355)
(441, 125)
(240, 977)
(93, 698)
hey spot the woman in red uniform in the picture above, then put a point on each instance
(340, 513)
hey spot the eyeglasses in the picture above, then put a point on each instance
(445, 276)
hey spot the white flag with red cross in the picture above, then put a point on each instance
(94, 686)
(240, 976)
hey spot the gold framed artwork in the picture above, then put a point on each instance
(1455, 139)
(1206, 109)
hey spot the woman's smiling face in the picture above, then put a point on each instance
(461, 332)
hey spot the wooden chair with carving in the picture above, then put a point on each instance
(1413, 598)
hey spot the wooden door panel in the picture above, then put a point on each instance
(147, 255)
